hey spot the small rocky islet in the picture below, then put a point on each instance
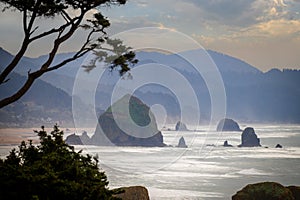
(180, 126)
(227, 124)
(108, 132)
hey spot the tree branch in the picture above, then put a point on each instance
(25, 21)
(54, 30)
(66, 16)
(31, 78)
(25, 43)
(14, 62)
(72, 24)
(59, 41)
(66, 61)
(34, 15)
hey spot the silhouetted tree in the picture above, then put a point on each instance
(96, 37)
(51, 170)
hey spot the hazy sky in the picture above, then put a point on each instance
(264, 33)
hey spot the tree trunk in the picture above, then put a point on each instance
(31, 78)
(14, 62)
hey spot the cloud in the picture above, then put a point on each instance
(217, 24)
(280, 28)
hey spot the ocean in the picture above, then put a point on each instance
(206, 169)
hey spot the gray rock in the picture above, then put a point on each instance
(133, 193)
(74, 140)
(82, 139)
(226, 144)
(85, 138)
(228, 125)
(180, 126)
(266, 191)
(128, 122)
(249, 138)
(181, 143)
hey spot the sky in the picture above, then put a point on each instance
(263, 33)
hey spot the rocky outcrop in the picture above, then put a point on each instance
(295, 191)
(249, 138)
(128, 122)
(228, 125)
(267, 191)
(180, 126)
(74, 140)
(278, 146)
(85, 138)
(226, 144)
(82, 139)
(181, 143)
(133, 193)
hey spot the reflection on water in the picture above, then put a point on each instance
(205, 170)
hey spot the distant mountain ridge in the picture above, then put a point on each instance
(252, 95)
(43, 104)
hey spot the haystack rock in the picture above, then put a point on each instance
(249, 138)
(128, 122)
(228, 125)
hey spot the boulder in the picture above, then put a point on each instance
(249, 138)
(226, 144)
(180, 126)
(128, 122)
(133, 193)
(181, 143)
(228, 125)
(265, 191)
(278, 146)
(74, 140)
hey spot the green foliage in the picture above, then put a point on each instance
(51, 170)
(46, 8)
(74, 13)
(122, 59)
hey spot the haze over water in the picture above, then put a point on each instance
(205, 170)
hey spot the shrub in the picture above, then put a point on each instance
(51, 170)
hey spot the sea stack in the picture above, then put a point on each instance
(180, 126)
(82, 139)
(128, 122)
(181, 143)
(228, 125)
(249, 138)
(74, 140)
